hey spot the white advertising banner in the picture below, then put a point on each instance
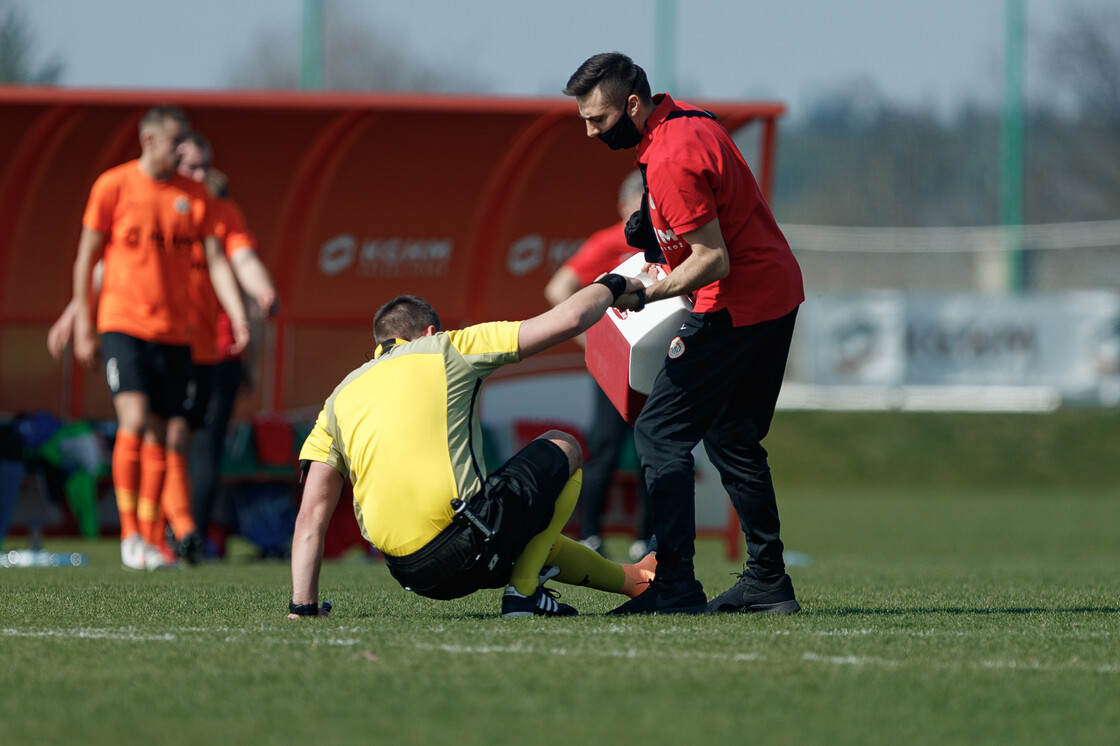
(853, 339)
(1069, 342)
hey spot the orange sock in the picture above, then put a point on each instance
(159, 527)
(153, 464)
(126, 479)
(176, 498)
(639, 575)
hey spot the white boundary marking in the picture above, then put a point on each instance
(232, 635)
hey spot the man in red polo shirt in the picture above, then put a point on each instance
(707, 218)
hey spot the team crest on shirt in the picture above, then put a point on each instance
(182, 205)
(676, 348)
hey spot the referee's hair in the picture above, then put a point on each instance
(404, 317)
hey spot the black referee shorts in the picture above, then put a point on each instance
(517, 501)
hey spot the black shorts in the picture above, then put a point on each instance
(159, 370)
(517, 502)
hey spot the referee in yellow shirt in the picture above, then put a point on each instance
(404, 428)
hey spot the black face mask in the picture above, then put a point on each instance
(624, 134)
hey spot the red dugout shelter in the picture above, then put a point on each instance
(470, 202)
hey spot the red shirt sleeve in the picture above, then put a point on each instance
(681, 187)
(602, 251)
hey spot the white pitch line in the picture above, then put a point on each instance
(1028, 665)
(564, 652)
(128, 635)
(239, 636)
(850, 660)
(91, 634)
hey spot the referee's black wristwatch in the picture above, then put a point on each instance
(616, 283)
(307, 609)
(303, 609)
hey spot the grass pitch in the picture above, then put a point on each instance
(930, 616)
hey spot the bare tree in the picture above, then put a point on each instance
(17, 51)
(355, 57)
(1073, 162)
(1083, 57)
(860, 158)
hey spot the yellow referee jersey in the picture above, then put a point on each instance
(404, 428)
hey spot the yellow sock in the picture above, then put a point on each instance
(527, 566)
(580, 565)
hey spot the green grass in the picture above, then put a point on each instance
(1070, 447)
(931, 615)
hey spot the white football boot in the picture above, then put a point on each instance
(133, 556)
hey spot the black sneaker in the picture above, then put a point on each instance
(665, 597)
(541, 602)
(751, 595)
(192, 548)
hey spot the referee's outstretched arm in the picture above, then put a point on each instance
(575, 315)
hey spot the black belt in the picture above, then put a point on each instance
(466, 520)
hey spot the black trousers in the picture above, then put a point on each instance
(217, 388)
(721, 389)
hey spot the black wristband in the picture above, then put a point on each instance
(613, 282)
(641, 293)
(303, 609)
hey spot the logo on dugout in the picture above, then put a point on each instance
(385, 257)
(676, 348)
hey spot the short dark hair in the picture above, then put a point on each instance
(200, 140)
(160, 113)
(617, 75)
(404, 317)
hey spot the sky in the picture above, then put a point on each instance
(936, 54)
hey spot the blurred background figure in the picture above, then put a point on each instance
(143, 219)
(219, 368)
(604, 250)
(213, 341)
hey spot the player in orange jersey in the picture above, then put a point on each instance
(218, 371)
(143, 219)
